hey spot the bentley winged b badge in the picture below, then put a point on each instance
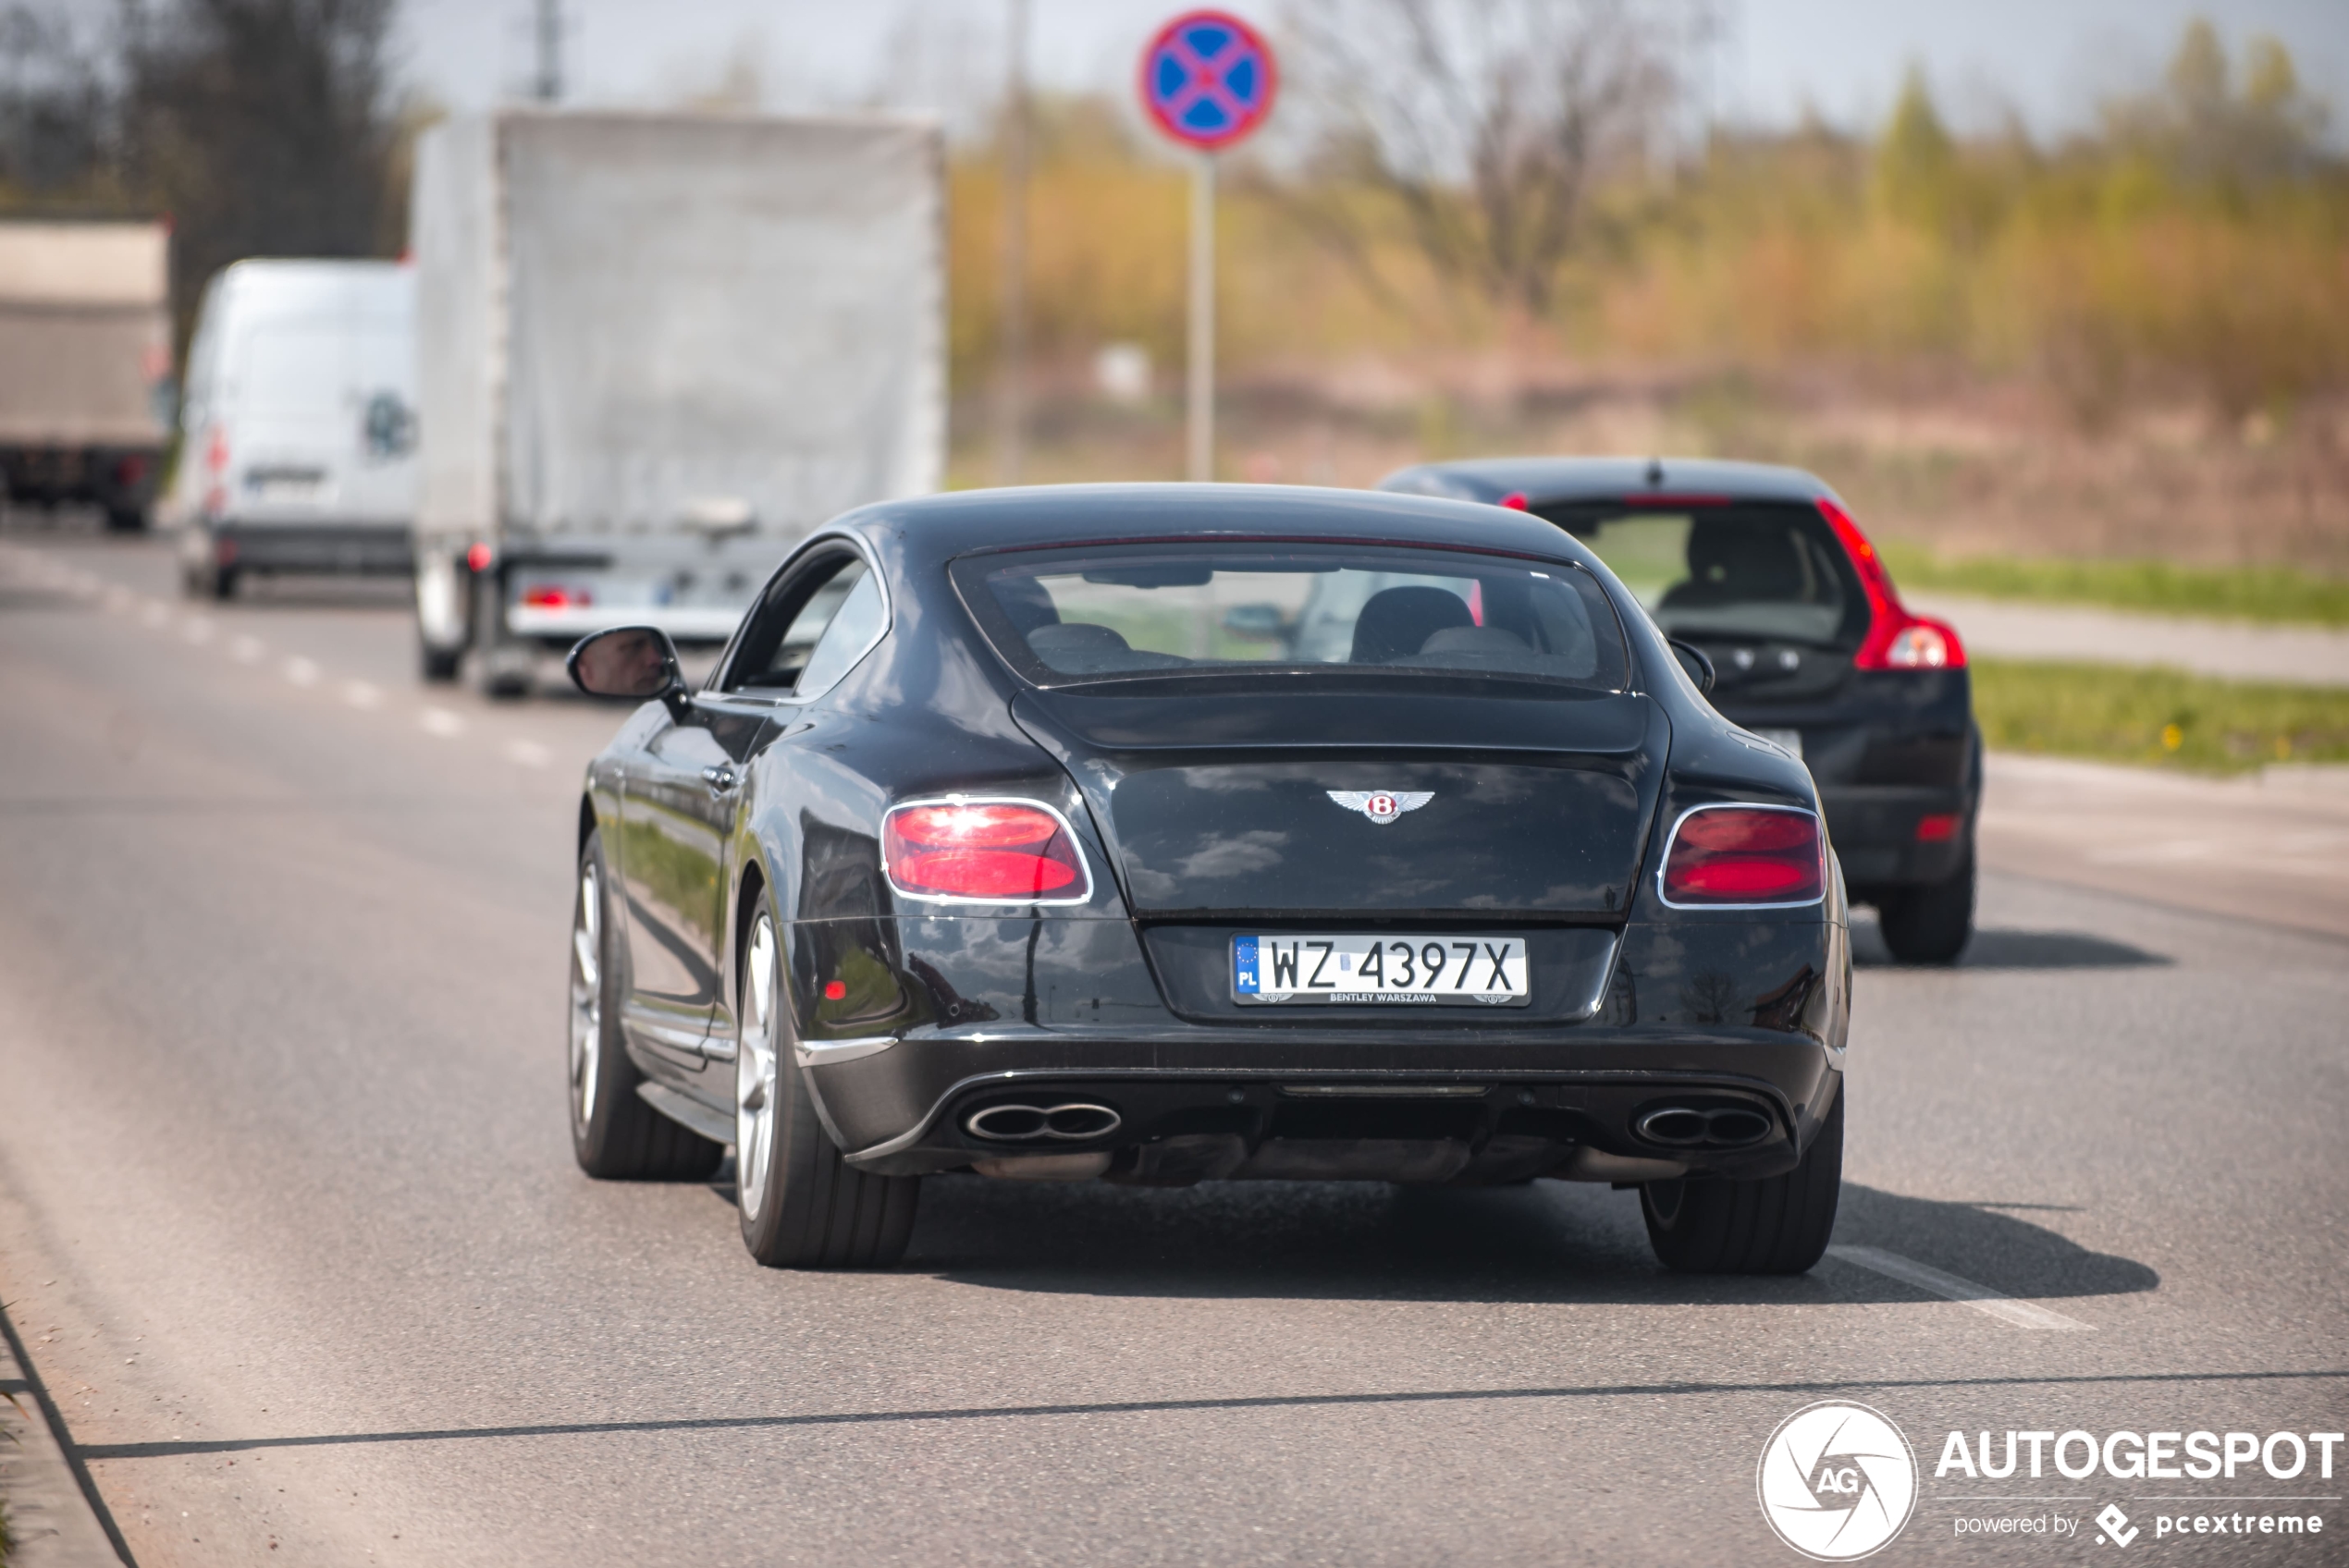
(1381, 806)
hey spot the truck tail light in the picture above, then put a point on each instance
(1730, 855)
(546, 597)
(982, 851)
(1895, 639)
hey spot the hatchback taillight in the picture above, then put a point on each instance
(1746, 856)
(985, 852)
(1895, 639)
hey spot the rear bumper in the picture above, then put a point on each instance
(1188, 1109)
(352, 547)
(109, 474)
(1874, 831)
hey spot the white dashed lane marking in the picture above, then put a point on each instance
(1982, 1298)
(163, 615)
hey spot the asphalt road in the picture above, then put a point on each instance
(289, 1224)
(2298, 655)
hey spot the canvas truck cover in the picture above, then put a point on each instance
(645, 324)
(85, 332)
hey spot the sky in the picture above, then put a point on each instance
(2049, 60)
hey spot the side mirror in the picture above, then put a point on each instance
(632, 662)
(1692, 659)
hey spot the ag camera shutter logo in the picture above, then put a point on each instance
(1836, 1481)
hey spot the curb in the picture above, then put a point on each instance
(56, 1517)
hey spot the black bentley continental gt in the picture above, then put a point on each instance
(1164, 834)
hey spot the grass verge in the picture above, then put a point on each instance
(2157, 716)
(2280, 593)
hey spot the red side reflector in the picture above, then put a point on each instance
(477, 559)
(1939, 828)
(989, 851)
(1746, 856)
(1515, 500)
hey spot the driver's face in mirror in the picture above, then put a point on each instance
(625, 664)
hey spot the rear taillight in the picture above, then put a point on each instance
(215, 451)
(1515, 500)
(1938, 828)
(1746, 856)
(1895, 639)
(983, 851)
(544, 596)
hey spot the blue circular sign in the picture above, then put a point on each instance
(1208, 80)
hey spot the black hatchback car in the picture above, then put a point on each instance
(1762, 569)
(1162, 834)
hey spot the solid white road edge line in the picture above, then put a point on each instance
(1982, 1298)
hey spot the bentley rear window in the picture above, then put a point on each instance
(1124, 612)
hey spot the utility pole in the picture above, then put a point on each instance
(1010, 392)
(549, 87)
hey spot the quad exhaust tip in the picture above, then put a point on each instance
(1016, 1124)
(1704, 1127)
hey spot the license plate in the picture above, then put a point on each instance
(1786, 739)
(1365, 970)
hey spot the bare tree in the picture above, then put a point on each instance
(263, 127)
(55, 113)
(1490, 122)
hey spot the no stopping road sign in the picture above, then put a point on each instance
(1208, 80)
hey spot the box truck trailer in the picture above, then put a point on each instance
(653, 351)
(85, 364)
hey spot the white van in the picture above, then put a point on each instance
(298, 432)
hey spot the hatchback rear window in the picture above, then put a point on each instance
(1137, 612)
(1759, 571)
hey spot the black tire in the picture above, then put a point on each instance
(1779, 1225)
(223, 582)
(438, 665)
(1930, 922)
(126, 519)
(802, 1205)
(614, 1134)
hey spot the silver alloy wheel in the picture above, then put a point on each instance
(587, 995)
(755, 1065)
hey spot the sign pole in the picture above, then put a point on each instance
(1208, 80)
(1202, 345)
